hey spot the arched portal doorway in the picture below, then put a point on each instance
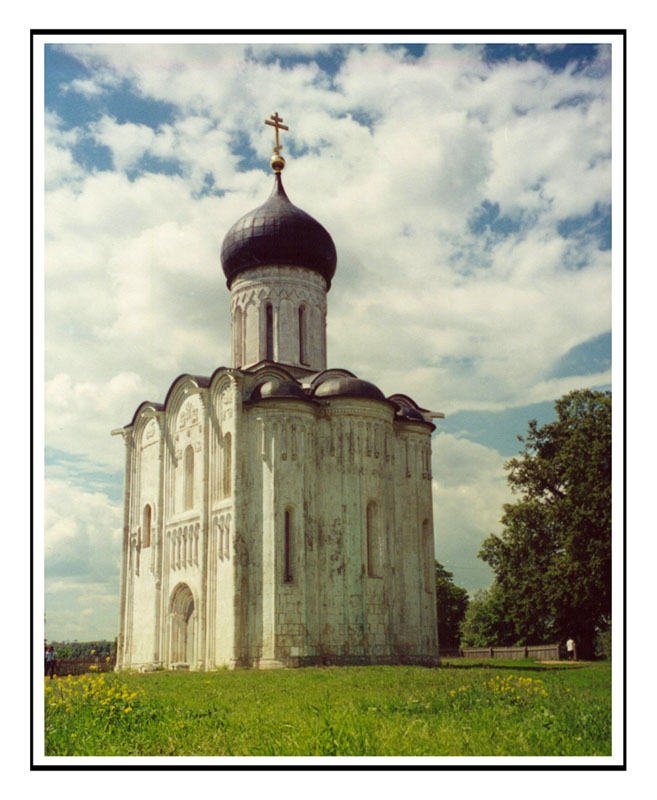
(181, 622)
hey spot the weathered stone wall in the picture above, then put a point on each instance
(283, 532)
(324, 467)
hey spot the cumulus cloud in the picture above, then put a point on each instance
(83, 549)
(88, 88)
(80, 413)
(469, 490)
(60, 164)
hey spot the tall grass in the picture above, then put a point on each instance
(502, 708)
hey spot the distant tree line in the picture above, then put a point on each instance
(101, 649)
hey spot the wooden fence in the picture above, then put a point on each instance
(541, 652)
(79, 666)
(450, 652)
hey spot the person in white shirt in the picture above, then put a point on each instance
(572, 649)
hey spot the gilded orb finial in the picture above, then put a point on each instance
(277, 161)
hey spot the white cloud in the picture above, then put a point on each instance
(88, 87)
(83, 549)
(80, 414)
(469, 490)
(60, 165)
(128, 142)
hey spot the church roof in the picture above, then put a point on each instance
(278, 388)
(273, 382)
(277, 232)
(347, 386)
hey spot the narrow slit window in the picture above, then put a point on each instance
(287, 578)
(146, 528)
(302, 335)
(372, 541)
(269, 332)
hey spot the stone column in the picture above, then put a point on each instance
(157, 541)
(270, 460)
(125, 566)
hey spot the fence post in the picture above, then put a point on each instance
(492, 652)
(526, 653)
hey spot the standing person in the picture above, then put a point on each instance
(572, 649)
(50, 662)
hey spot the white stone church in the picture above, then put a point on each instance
(277, 513)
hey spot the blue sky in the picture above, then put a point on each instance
(467, 189)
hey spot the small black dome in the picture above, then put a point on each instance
(411, 414)
(278, 388)
(344, 386)
(278, 232)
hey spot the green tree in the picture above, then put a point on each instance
(552, 562)
(62, 650)
(476, 623)
(485, 622)
(451, 603)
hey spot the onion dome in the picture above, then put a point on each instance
(347, 386)
(277, 232)
(277, 388)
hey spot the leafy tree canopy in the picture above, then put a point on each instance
(451, 603)
(552, 562)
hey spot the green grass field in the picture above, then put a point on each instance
(505, 708)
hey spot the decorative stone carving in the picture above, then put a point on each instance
(188, 414)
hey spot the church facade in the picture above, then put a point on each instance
(277, 513)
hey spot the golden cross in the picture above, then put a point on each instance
(276, 124)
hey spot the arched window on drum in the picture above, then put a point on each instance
(238, 338)
(303, 336)
(269, 332)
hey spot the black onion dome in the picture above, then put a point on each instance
(277, 388)
(278, 232)
(344, 386)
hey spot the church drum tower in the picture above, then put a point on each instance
(277, 513)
